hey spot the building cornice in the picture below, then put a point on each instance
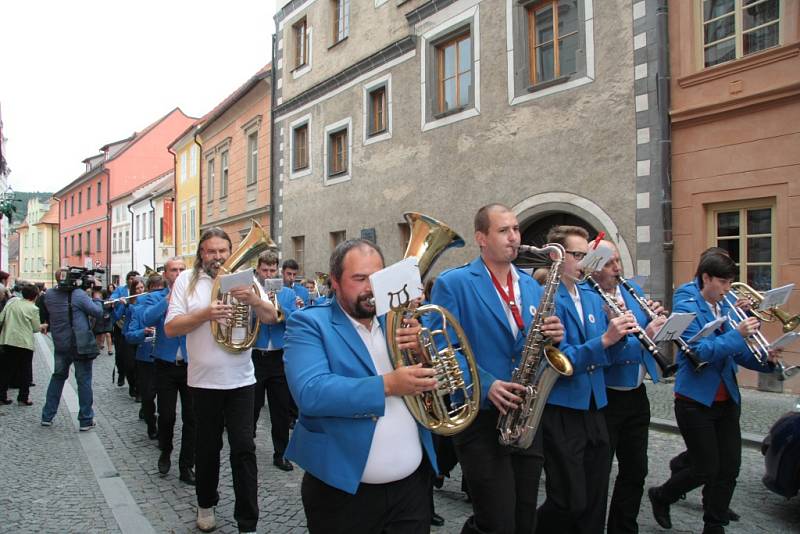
(766, 57)
(426, 10)
(65, 229)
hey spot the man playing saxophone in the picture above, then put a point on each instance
(628, 411)
(367, 461)
(574, 433)
(221, 382)
(495, 302)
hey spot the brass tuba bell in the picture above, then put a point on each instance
(453, 406)
(242, 331)
(744, 291)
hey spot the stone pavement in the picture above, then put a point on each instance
(51, 481)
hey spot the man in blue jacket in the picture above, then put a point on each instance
(367, 461)
(289, 271)
(120, 348)
(628, 411)
(268, 365)
(574, 429)
(171, 359)
(494, 302)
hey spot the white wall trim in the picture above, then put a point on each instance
(296, 73)
(348, 123)
(305, 119)
(294, 13)
(365, 115)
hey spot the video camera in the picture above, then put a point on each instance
(77, 277)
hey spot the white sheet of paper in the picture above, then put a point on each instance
(776, 297)
(597, 258)
(674, 327)
(273, 284)
(708, 328)
(401, 279)
(229, 281)
(787, 339)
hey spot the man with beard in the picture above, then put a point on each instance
(367, 461)
(221, 382)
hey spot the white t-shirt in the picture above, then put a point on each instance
(396, 451)
(211, 366)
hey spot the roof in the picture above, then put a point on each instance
(234, 97)
(142, 190)
(51, 216)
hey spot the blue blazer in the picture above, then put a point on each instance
(583, 346)
(275, 332)
(468, 293)
(301, 292)
(624, 369)
(134, 328)
(723, 349)
(339, 395)
(153, 315)
(119, 308)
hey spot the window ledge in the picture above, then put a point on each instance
(550, 83)
(299, 67)
(343, 39)
(454, 111)
(736, 66)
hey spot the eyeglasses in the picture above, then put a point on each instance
(578, 255)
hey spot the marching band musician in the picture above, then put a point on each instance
(171, 357)
(494, 302)
(123, 313)
(628, 411)
(120, 346)
(268, 365)
(367, 460)
(289, 271)
(221, 382)
(574, 431)
(707, 403)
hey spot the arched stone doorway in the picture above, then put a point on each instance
(534, 232)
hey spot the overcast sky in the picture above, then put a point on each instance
(77, 75)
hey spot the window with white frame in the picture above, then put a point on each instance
(223, 174)
(340, 10)
(194, 157)
(184, 167)
(210, 180)
(252, 158)
(338, 146)
(184, 225)
(299, 147)
(300, 38)
(733, 29)
(192, 220)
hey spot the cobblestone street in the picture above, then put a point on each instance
(55, 480)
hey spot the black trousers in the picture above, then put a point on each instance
(231, 409)
(271, 379)
(129, 356)
(146, 384)
(399, 507)
(503, 482)
(119, 351)
(628, 422)
(714, 442)
(171, 381)
(577, 467)
(16, 370)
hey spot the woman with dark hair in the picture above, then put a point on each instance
(135, 286)
(20, 320)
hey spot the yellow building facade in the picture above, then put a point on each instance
(38, 243)
(187, 150)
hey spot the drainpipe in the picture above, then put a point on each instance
(153, 227)
(665, 140)
(109, 224)
(273, 195)
(175, 190)
(200, 202)
(133, 238)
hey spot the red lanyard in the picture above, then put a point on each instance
(508, 298)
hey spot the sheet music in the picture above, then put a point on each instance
(596, 258)
(242, 278)
(396, 283)
(674, 327)
(776, 297)
(708, 328)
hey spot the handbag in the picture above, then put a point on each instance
(85, 342)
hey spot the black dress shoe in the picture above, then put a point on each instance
(6, 401)
(164, 463)
(283, 464)
(152, 432)
(187, 475)
(733, 516)
(660, 509)
(120, 382)
(437, 520)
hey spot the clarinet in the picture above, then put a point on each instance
(696, 362)
(667, 369)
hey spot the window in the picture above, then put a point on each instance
(98, 241)
(184, 228)
(152, 220)
(72, 205)
(341, 19)
(89, 197)
(88, 241)
(338, 152)
(65, 246)
(64, 205)
(336, 238)
(454, 73)
(80, 201)
(553, 40)
(72, 245)
(80, 244)
(747, 232)
(99, 190)
(252, 158)
(192, 220)
(300, 43)
(211, 179)
(736, 28)
(137, 234)
(184, 167)
(300, 147)
(299, 249)
(377, 110)
(114, 248)
(194, 156)
(127, 241)
(223, 174)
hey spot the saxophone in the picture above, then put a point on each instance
(536, 373)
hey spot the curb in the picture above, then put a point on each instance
(749, 439)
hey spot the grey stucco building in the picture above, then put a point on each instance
(441, 106)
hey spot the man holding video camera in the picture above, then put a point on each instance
(69, 309)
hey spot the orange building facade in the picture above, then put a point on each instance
(735, 111)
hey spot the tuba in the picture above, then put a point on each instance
(442, 411)
(540, 366)
(242, 330)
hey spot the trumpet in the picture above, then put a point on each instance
(690, 355)
(757, 343)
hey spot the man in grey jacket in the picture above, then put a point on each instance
(64, 327)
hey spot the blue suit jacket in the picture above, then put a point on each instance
(134, 328)
(153, 315)
(301, 292)
(275, 332)
(583, 346)
(119, 308)
(339, 395)
(624, 369)
(468, 293)
(723, 349)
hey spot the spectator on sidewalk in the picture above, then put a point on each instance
(20, 320)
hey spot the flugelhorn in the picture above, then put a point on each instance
(242, 330)
(454, 404)
(744, 291)
(757, 343)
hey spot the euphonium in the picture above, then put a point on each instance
(744, 291)
(540, 365)
(242, 330)
(451, 407)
